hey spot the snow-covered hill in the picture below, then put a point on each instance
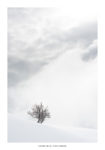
(25, 130)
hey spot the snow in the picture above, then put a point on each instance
(26, 130)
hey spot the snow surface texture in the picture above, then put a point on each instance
(22, 130)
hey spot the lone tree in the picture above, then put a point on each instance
(39, 112)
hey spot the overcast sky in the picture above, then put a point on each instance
(40, 37)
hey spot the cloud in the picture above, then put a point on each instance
(38, 36)
(91, 52)
(83, 34)
(21, 69)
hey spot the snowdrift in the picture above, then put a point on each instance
(24, 130)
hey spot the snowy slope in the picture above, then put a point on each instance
(25, 130)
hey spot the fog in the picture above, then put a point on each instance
(68, 86)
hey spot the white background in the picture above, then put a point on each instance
(77, 7)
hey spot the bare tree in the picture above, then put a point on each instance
(39, 112)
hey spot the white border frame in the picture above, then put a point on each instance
(73, 4)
